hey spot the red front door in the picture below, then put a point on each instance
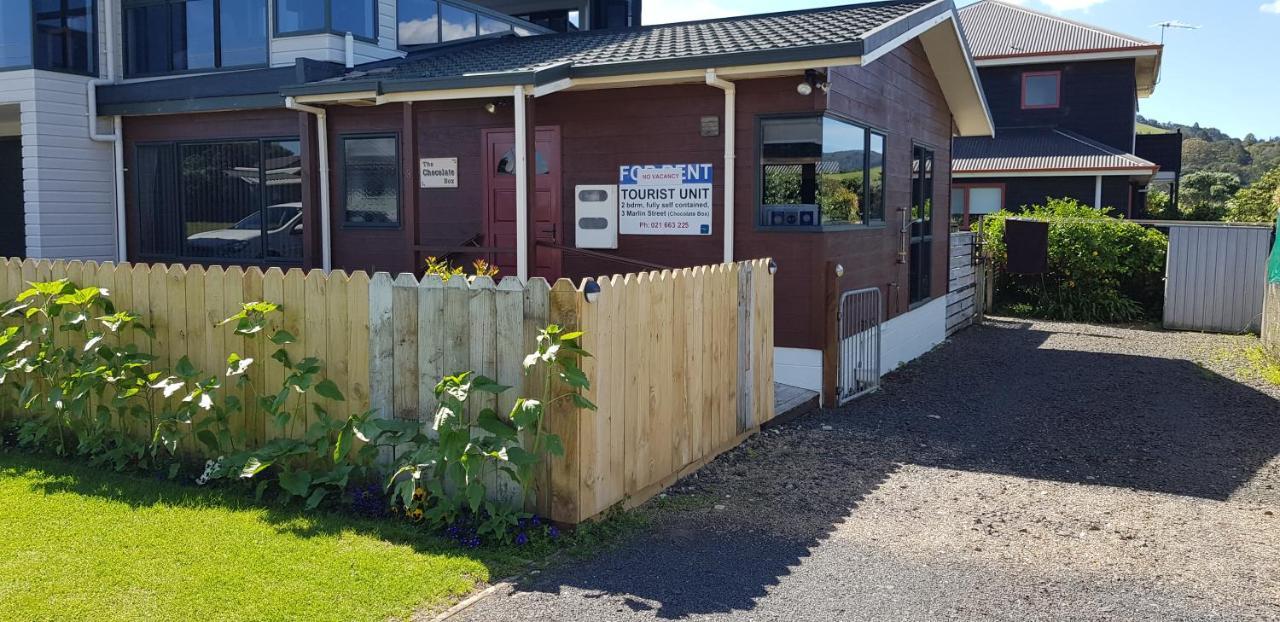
(500, 200)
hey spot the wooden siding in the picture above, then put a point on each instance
(899, 95)
(68, 184)
(1099, 99)
(964, 294)
(1024, 191)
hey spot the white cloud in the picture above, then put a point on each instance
(1271, 7)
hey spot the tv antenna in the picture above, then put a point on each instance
(1165, 26)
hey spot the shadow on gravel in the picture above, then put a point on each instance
(993, 400)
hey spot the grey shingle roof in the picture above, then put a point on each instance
(1039, 149)
(995, 29)
(775, 37)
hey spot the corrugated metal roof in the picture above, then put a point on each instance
(996, 29)
(1039, 149)
(774, 33)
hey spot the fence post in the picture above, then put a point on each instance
(562, 416)
(381, 353)
(831, 343)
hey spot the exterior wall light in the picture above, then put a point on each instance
(812, 80)
(591, 291)
(491, 107)
(839, 269)
(773, 267)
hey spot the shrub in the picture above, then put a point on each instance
(1101, 268)
(79, 387)
(1203, 195)
(1257, 203)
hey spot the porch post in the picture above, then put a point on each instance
(1097, 193)
(524, 242)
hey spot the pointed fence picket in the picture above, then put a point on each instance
(682, 365)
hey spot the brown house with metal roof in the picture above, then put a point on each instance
(1064, 96)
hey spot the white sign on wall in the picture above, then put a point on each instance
(665, 199)
(438, 172)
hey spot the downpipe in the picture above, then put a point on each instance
(730, 155)
(322, 147)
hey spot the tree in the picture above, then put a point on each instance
(1160, 206)
(1204, 195)
(1257, 202)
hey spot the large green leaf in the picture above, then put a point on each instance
(316, 497)
(489, 422)
(296, 483)
(329, 389)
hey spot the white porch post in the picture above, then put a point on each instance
(1097, 193)
(522, 185)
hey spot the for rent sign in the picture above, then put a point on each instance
(665, 199)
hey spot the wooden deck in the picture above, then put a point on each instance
(790, 402)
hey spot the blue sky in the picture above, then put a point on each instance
(1223, 75)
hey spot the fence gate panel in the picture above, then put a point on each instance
(1215, 277)
(859, 329)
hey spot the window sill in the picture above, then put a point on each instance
(309, 33)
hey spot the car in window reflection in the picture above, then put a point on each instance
(243, 239)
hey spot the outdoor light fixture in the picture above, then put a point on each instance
(591, 291)
(839, 269)
(491, 107)
(812, 80)
(773, 267)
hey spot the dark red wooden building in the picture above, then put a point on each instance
(816, 137)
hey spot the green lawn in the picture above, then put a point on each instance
(80, 544)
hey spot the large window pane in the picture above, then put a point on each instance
(875, 183)
(15, 34)
(300, 15)
(64, 35)
(193, 35)
(1041, 90)
(353, 16)
(244, 32)
(371, 181)
(842, 172)
(157, 201)
(146, 39)
(489, 26)
(419, 22)
(221, 204)
(283, 179)
(456, 23)
(791, 149)
(193, 46)
(814, 172)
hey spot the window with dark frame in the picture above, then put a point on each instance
(371, 181)
(306, 17)
(54, 35)
(427, 22)
(920, 254)
(236, 201)
(1041, 90)
(175, 36)
(820, 171)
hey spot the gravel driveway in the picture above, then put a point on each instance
(1023, 471)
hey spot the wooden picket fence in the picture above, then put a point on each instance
(682, 367)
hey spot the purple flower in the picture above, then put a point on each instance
(554, 532)
(522, 539)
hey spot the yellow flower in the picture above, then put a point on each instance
(418, 494)
(416, 514)
(1095, 253)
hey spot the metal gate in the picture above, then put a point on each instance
(858, 321)
(1216, 277)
